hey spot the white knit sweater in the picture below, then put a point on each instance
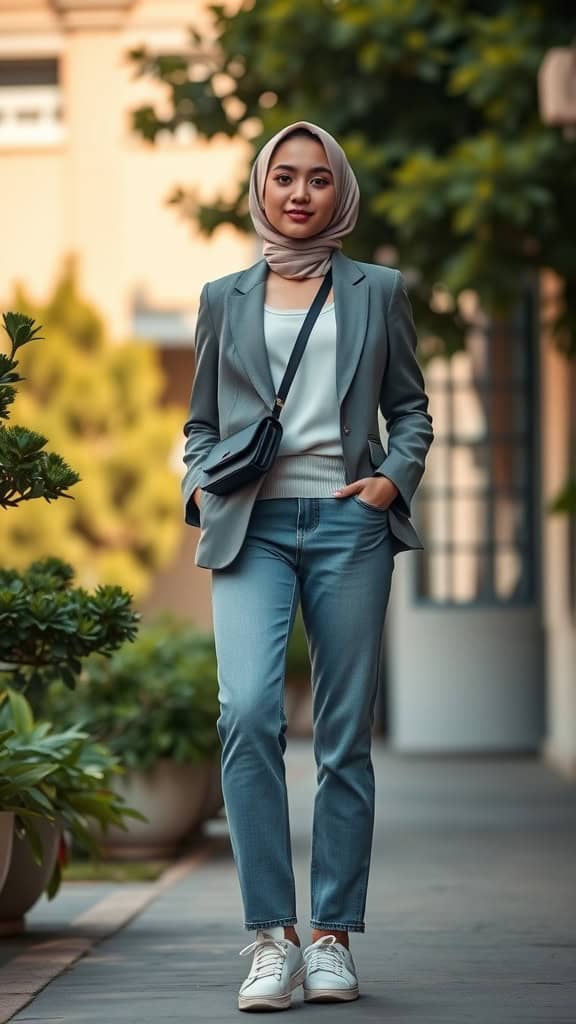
(310, 461)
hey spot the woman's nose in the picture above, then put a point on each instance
(300, 193)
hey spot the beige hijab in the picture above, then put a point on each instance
(305, 257)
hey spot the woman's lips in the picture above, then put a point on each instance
(298, 215)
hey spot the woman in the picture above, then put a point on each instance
(320, 529)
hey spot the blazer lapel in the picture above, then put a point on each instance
(247, 328)
(247, 323)
(351, 307)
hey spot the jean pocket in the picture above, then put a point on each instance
(373, 508)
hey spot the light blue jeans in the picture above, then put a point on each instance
(334, 556)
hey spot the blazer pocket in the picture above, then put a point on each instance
(402, 527)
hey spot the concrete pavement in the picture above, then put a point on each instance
(470, 916)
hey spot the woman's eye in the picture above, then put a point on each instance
(283, 179)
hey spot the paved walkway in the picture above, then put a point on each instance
(470, 919)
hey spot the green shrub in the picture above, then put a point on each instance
(155, 698)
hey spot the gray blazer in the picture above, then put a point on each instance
(376, 367)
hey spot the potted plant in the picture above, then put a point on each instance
(19, 786)
(155, 704)
(47, 626)
(6, 836)
(20, 793)
(51, 782)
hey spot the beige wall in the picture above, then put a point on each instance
(100, 193)
(31, 205)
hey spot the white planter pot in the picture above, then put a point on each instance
(171, 796)
(26, 880)
(6, 837)
(214, 799)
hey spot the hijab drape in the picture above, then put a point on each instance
(305, 257)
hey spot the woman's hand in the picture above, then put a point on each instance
(196, 496)
(376, 490)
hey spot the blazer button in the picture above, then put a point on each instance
(346, 429)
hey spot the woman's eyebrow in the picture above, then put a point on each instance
(288, 167)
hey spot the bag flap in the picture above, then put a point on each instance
(230, 447)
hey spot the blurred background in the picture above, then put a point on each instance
(126, 133)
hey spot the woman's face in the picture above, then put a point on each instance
(299, 193)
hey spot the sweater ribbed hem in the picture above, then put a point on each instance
(304, 476)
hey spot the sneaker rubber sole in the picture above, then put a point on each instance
(330, 995)
(282, 1002)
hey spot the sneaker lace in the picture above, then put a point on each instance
(269, 957)
(322, 956)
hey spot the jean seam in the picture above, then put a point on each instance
(362, 898)
(282, 688)
(313, 872)
(280, 714)
(298, 535)
(258, 925)
(355, 926)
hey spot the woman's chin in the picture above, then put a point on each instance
(293, 230)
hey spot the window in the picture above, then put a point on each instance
(476, 504)
(30, 103)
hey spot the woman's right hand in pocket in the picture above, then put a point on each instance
(196, 497)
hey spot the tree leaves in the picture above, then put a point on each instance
(102, 406)
(435, 101)
(26, 471)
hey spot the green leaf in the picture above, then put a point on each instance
(21, 712)
(55, 881)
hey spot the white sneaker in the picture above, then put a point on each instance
(277, 968)
(330, 971)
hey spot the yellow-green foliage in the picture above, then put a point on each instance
(98, 403)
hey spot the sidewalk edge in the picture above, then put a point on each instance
(26, 975)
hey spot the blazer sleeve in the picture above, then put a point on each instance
(201, 429)
(404, 402)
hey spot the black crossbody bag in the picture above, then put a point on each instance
(239, 459)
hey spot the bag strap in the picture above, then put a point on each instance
(300, 343)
